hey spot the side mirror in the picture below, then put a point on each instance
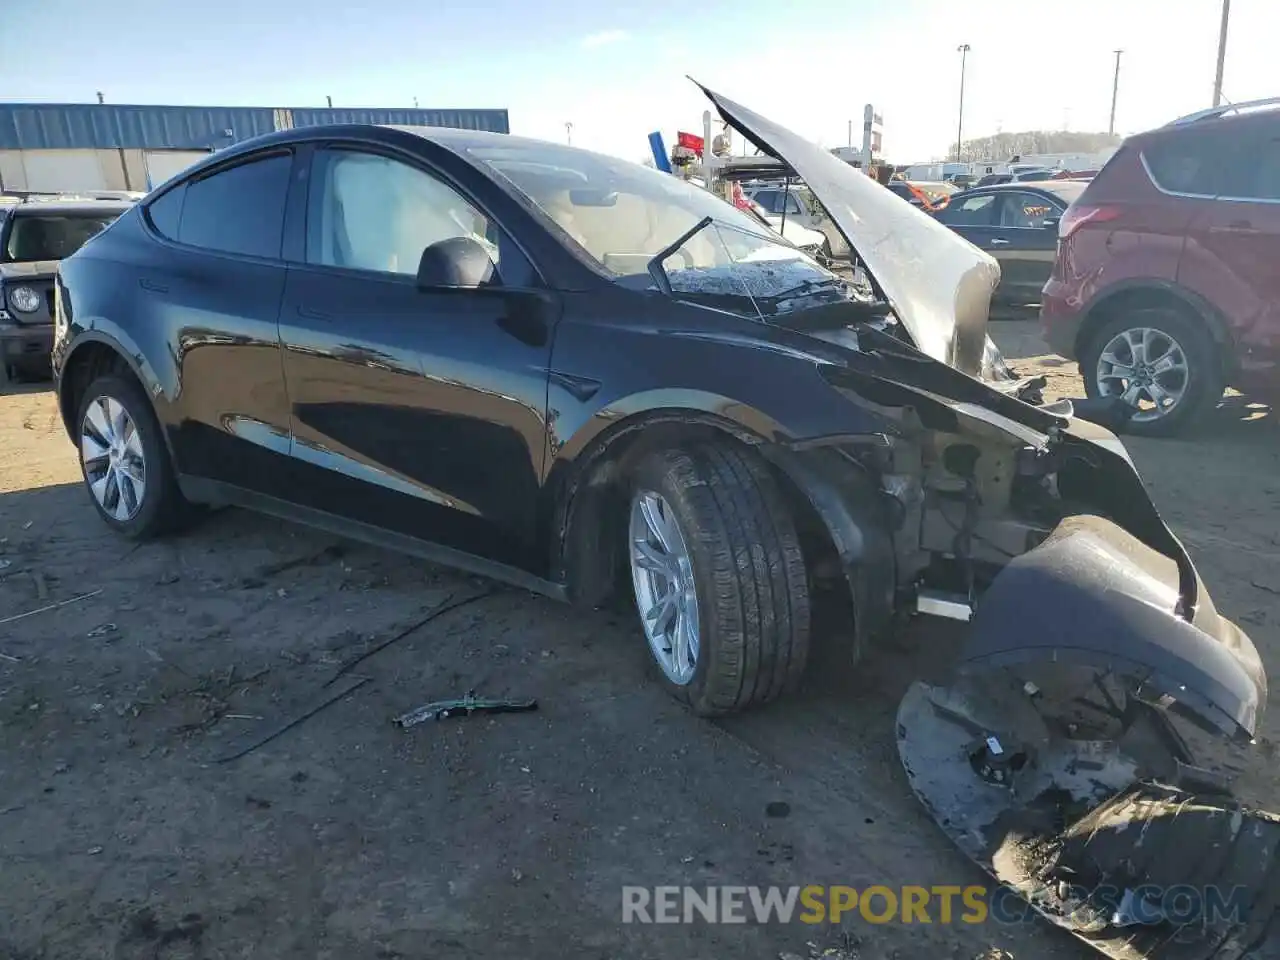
(457, 262)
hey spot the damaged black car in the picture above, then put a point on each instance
(583, 377)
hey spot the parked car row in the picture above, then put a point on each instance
(1165, 287)
(36, 232)
(1157, 273)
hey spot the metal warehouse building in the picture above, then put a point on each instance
(83, 147)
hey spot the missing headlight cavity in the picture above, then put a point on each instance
(1108, 829)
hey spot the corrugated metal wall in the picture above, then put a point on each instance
(63, 126)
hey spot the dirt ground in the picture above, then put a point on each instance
(122, 834)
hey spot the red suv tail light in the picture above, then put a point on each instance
(1078, 214)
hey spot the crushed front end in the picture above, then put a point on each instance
(1093, 662)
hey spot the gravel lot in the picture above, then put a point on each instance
(123, 836)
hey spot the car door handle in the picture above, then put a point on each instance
(999, 242)
(152, 285)
(311, 313)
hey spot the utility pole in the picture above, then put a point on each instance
(1222, 53)
(1115, 90)
(963, 50)
(329, 100)
(101, 99)
(568, 132)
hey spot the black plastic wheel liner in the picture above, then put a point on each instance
(1077, 836)
(1093, 594)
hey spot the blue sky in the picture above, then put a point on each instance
(617, 70)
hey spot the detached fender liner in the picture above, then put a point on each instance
(1094, 595)
(852, 509)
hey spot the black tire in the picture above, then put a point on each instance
(748, 572)
(162, 507)
(1205, 382)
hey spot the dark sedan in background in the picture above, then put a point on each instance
(1017, 223)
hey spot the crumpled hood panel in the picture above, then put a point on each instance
(940, 285)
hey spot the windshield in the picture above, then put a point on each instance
(45, 237)
(623, 215)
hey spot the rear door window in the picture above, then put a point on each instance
(1029, 210)
(238, 210)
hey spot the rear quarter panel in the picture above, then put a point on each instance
(1145, 241)
(98, 305)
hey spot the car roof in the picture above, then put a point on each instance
(1066, 190)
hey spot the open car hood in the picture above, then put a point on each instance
(938, 283)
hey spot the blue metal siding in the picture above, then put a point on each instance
(75, 126)
(494, 121)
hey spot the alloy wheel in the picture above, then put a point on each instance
(115, 466)
(1145, 367)
(662, 573)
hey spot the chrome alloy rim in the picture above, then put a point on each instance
(662, 574)
(1147, 369)
(111, 453)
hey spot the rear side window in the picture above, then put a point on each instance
(1185, 165)
(166, 212)
(238, 210)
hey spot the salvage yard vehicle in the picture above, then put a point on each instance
(1165, 286)
(643, 386)
(36, 231)
(1017, 223)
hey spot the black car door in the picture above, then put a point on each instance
(1025, 243)
(213, 288)
(418, 410)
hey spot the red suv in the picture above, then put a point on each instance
(1166, 284)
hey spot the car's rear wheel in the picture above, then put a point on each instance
(1161, 362)
(718, 575)
(124, 460)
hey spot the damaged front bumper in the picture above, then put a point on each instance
(1053, 762)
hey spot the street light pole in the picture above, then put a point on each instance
(568, 132)
(1115, 90)
(964, 52)
(1222, 53)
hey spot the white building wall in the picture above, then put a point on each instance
(69, 171)
(162, 165)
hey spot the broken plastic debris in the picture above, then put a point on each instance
(993, 744)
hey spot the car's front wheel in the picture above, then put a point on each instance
(719, 578)
(1160, 362)
(124, 461)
